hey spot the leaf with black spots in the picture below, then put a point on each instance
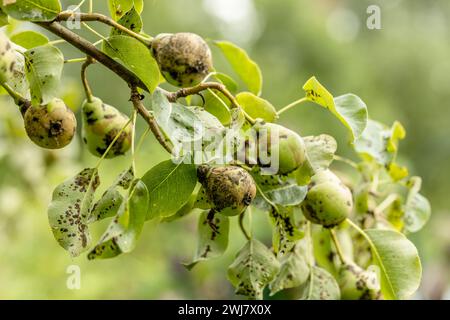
(69, 210)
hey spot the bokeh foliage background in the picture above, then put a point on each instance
(402, 72)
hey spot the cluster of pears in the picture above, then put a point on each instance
(183, 58)
(229, 189)
(356, 283)
(328, 201)
(101, 124)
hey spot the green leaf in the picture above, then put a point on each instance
(111, 200)
(286, 232)
(257, 107)
(323, 249)
(32, 10)
(131, 20)
(217, 104)
(417, 207)
(3, 18)
(170, 185)
(398, 260)
(320, 286)
(29, 39)
(69, 210)
(119, 8)
(294, 270)
(244, 67)
(212, 237)
(228, 81)
(124, 231)
(136, 57)
(255, 267)
(379, 142)
(43, 67)
(320, 150)
(280, 190)
(348, 108)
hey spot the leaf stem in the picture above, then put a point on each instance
(133, 136)
(94, 31)
(337, 246)
(75, 60)
(241, 225)
(56, 42)
(64, 16)
(346, 161)
(385, 204)
(87, 88)
(291, 105)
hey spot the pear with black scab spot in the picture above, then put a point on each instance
(7, 59)
(183, 58)
(101, 124)
(50, 126)
(230, 189)
(328, 201)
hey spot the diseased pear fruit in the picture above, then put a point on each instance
(7, 59)
(183, 58)
(230, 189)
(51, 126)
(328, 201)
(101, 124)
(290, 146)
(357, 284)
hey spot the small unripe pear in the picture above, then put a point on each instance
(230, 189)
(324, 176)
(290, 146)
(327, 203)
(7, 59)
(183, 58)
(101, 124)
(357, 284)
(51, 126)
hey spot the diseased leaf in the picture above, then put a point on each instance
(123, 232)
(399, 263)
(294, 269)
(131, 20)
(348, 108)
(69, 210)
(170, 186)
(29, 39)
(320, 286)
(136, 57)
(285, 232)
(32, 10)
(118, 8)
(108, 205)
(43, 67)
(255, 267)
(320, 150)
(417, 207)
(244, 67)
(212, 237)
(257, 107)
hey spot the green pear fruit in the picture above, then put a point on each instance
(327, 203)
(101, 124)
(230, 189)
(7, 59)
(183, 58)
(51, 126)
(291, 147)
(357, 284)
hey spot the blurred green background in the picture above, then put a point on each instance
(402, 72)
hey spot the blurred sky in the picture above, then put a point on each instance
(402, 72)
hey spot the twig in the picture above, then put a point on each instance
(87, 88)
(150, 119)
